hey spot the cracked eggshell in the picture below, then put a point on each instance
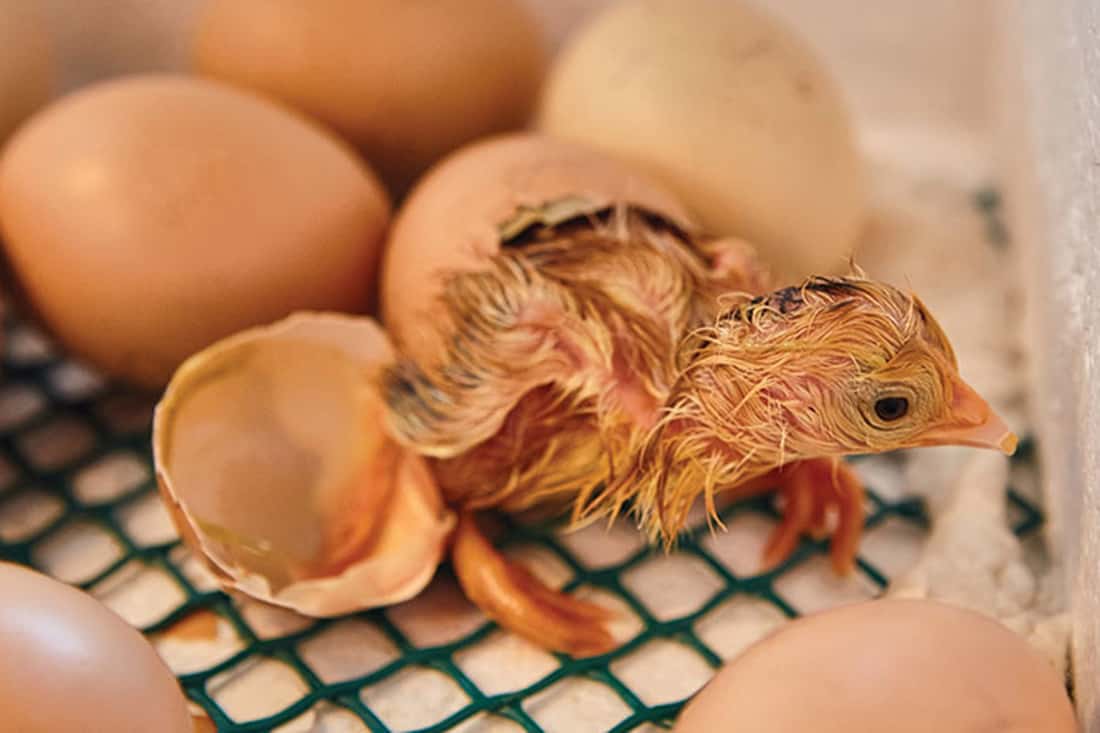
(452, 221)
(272, 457)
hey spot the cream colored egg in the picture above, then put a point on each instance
(730, 108)
(898, 666)
(67, 664)
(148, 217)
(26, 62)
(404, 81)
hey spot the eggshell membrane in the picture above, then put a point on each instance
(148, 217)
(896, 665)
(451, 221)
(27, 68)
(729, 108)
(251, 454)
(406, 82)
(68, 663)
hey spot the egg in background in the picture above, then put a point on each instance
(27, 71)
(405, 82)
(147, 217)
(68, 663)
(892, 665)
(729, 107)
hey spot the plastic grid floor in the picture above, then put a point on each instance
(63, 430)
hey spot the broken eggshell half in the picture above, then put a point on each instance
(272, 457)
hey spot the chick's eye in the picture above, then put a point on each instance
(891, 408)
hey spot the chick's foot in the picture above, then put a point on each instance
(811, 488)
(518, 601)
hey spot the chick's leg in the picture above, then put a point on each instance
(811, 488)
(520, 602)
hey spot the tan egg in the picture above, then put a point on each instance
(404, 81)
(67, 663)
(732, 110)
(148, 217)
(26, 62)
(460, 212)
(272, 458)
(898, 666)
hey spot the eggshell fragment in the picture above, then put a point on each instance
(67, 663)
(456, 217)
(272, 458)
(899, 666)
(729, 108)
(148, 217)
(26, 62)
(406, 82)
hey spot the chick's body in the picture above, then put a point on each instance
(562, 354)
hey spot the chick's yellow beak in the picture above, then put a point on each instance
(971, 421)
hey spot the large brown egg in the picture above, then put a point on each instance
(26, 62)
(67, 663)
(899, 666)
(148, 217)
(404, 81)
(458, 216)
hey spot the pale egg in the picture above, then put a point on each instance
(731, 109)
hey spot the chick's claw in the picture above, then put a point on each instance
(811, 488)
(520, 602)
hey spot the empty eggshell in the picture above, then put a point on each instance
(150, 216)
(406, 82)
(271, 455)
(26, 62)
(732, 110)
(899, 666)
(68, 663)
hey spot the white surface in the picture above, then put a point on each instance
(1049, 135)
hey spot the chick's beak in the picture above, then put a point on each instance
(971, 421)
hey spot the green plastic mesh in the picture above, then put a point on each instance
(59, 425)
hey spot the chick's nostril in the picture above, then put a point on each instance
(967, 406)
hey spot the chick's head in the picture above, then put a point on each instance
(847, 365)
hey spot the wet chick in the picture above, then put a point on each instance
(616, 363)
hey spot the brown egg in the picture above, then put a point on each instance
(26, 62)
(457, 216)
(273, 460)
(148, 217)
(404, 81)
(67, 663)
(898, 666)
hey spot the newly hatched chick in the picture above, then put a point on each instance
(619, 363)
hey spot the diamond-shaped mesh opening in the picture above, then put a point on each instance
(77, 500)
